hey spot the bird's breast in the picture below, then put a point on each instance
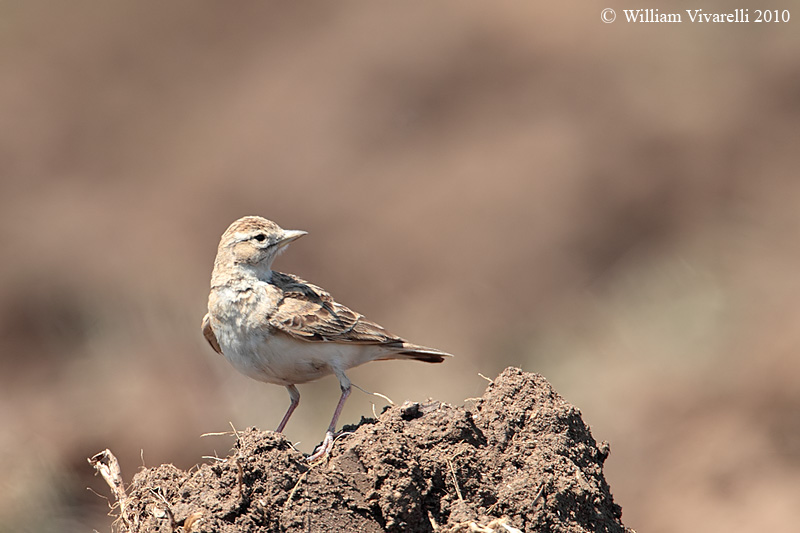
(240, 320)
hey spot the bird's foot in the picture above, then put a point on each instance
(323, 449)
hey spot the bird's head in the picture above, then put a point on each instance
(254, 243)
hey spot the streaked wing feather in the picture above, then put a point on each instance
(309, 313)
(208, 333)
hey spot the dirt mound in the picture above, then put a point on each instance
(520, 458)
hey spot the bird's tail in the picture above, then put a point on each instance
(406, 350)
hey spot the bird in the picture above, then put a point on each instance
(278, 328)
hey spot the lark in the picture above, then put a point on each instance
(277, 328)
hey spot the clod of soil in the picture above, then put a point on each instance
(520, 458)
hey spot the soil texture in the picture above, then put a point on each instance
(518, 458)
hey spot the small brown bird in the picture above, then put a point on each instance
(277, 328)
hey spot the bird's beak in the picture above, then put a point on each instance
(290, 235)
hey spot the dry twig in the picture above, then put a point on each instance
(455, 479)
(491, 381)
(296, 485)
(107, 465)
(240, 477)
(378, 394)
(194, 518)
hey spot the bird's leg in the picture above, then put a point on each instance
(294, 395)
(327, 444)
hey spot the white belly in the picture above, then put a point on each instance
(283, 360)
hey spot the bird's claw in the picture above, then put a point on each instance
(323, 449)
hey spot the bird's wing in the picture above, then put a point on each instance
(208, 333)
(309, 313)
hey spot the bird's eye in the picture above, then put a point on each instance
(260, 237)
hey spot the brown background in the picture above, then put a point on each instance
(612, 205)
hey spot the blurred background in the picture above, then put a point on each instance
(614, 206)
